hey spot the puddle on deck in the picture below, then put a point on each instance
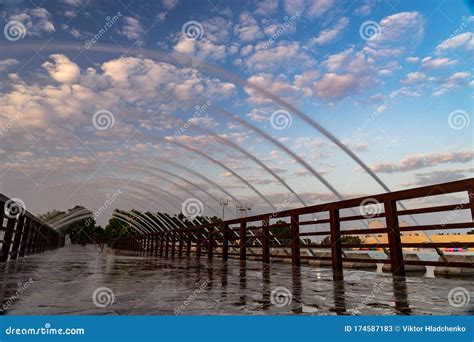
(63, 282)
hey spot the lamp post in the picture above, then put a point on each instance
(223, 202)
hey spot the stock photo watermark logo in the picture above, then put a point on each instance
(103, 297)
(281, 296)
(373, 116)
(282, 28)
(103, 119)
(14, 30)
(200, 110)
(288, 200)
(459, 297)
(191, 298)
(192, 30)
(465, 21)
(19, 115)
(370, 208)
(20, 290)
(370, 30)
(455, 212)
(192, 208)
(110, 21)
(14, 207)
(281, 119)
(111, 199)
(459, 119)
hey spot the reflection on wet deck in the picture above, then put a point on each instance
(63, 281)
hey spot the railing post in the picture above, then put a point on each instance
(162, 243)
(198, 243)
(336, 248)
(394, 240)
(243, 240)
(18, 233)
(180, 243)
(295, 240)
(173, 243)
(167, 244)
(189, 242)
(225, 242)
(266, 240)
(470, 193)
(7, 238)
(210, 243)
(25, 236)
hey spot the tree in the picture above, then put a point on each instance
(344, 239)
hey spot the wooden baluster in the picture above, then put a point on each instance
(266, 240)
(243, 240)
(225, 241)
(295, 240)
(394, 239)
(336, 248)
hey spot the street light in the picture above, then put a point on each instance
(223, 201)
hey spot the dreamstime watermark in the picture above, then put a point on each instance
(20, 290)
(370, 30)
(370, 208)
(282, 28)
(191, 298)
(14, 207)
(103, 297)
(455, 212)
(200, 110)
(459, 297)
(110, 21)
(281, 296)
(14, 30)
(281, 119)
(192, 208)
(375, 291)
(459, 119)
(192, 30)
(288, 200)
(363, 126)
(103, 119)
(465, 21)
(46, 330)
(107, 204)
(17, 117)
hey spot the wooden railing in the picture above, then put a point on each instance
(24, 234)
(238, 234)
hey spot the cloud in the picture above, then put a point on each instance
(62, 69)
(440, 176)
(278, 86)
(405, 29)
(131, 28)
(412, 60)
(434, 63)
(285, 55)
(247, 29)
(453, 82)
(416, 78)
(419, 161)
(8, 62)
(36, 21)
(266, 7)
(330, 34)
(461, 41)
(334, 86)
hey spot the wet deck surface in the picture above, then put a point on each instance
(63, 282)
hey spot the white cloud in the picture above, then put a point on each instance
(62, 69)
(452, 82)
(434, 63)
(247, 29)
(131, 28)
(334, 86)
(330, 34)
(412, 60)
(36, 21)
(463, 40)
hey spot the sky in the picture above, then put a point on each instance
(160, 104)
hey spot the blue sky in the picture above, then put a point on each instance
(392, 80)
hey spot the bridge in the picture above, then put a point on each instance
(221, 248)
